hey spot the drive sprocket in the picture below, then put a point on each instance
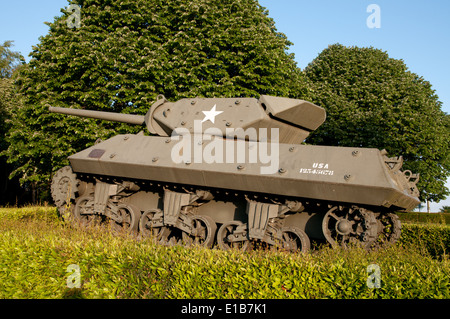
(344, 226)
(64, 186)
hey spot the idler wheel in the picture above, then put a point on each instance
(345, 226)
(203, 232)
(64, 186)
(233, 235)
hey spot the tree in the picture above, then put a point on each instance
(445, 209)
(373, 100)
(9, 102)
(126, 52)
(9, 60)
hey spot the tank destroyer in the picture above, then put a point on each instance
(234, 172)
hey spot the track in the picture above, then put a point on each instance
(229, 219)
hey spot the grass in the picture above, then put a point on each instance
(37, 249)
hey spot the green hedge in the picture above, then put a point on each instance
(416, 217)
(36, 250)
(433, 240)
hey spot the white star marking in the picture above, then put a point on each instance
(211, 115)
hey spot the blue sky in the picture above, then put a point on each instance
(416, 31)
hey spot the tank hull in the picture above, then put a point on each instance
(336, 174)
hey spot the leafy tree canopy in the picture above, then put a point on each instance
(373, 100)
(9, 62)
(125, 53)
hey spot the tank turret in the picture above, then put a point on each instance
(293, 119)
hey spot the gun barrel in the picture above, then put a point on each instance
(108, 116)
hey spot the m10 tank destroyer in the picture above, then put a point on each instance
(234, 172)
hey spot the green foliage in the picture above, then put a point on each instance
(35, 251)
(37, 213)
(6, 99)
(375, 101)
(433, 240)
(9, 60)
(124, 54)
(419, 218)
(445, 209)
(10, 101)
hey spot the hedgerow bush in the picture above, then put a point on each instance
(427, 218)
(36, 251)
(43, 213)
(428, 239)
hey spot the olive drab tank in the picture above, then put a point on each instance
(233, 172)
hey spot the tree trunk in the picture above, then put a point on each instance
(33, 192)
